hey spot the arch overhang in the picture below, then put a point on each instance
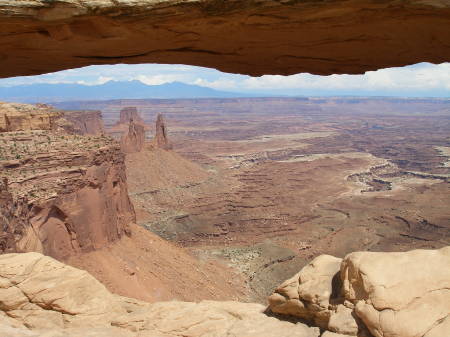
(252, 37)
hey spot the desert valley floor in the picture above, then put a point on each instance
(264, 185)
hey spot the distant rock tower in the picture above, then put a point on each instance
(133, 140)
(128, 114)
(161, 140)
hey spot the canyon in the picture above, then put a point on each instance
(334, 211)
(223, 199)
(65, 195)
(264, 185)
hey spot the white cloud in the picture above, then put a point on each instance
(160, 79)
(423, 77)
(100, 80)
(220, 83)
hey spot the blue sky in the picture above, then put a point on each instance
(423, 79)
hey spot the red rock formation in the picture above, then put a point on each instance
(121, 127)
(161, 141)
(64, 194)
(12, 223)
(129, 114)
(133, 140)
(85, 122)
(241, 36)
(24, 117)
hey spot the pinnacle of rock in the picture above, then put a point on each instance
(128, 114)
(133, 140)
(161, 140)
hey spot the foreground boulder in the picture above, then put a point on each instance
(40, 296)
(308, 294)
(40, 292)
(400, 294)
(383, 294)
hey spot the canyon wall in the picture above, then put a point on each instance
(22, 117)
(85, 122)
(65, 195)
(62, 194)
(242, 36)
(27, 117)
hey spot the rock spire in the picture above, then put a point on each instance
(161, 141)
(133, 140)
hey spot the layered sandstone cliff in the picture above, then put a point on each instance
(62, 194)
(242, 36)
(65, 195)
(25, 117)
(85, 122)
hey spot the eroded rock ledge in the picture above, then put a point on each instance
(240, 36)
(366, 295)
(60, 193)
(78, 305)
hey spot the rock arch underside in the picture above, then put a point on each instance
(240, 36)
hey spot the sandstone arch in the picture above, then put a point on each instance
(243, 36)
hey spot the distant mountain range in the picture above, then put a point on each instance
(69, 92)
(48, 93)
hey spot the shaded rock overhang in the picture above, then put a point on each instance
(253, 37)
